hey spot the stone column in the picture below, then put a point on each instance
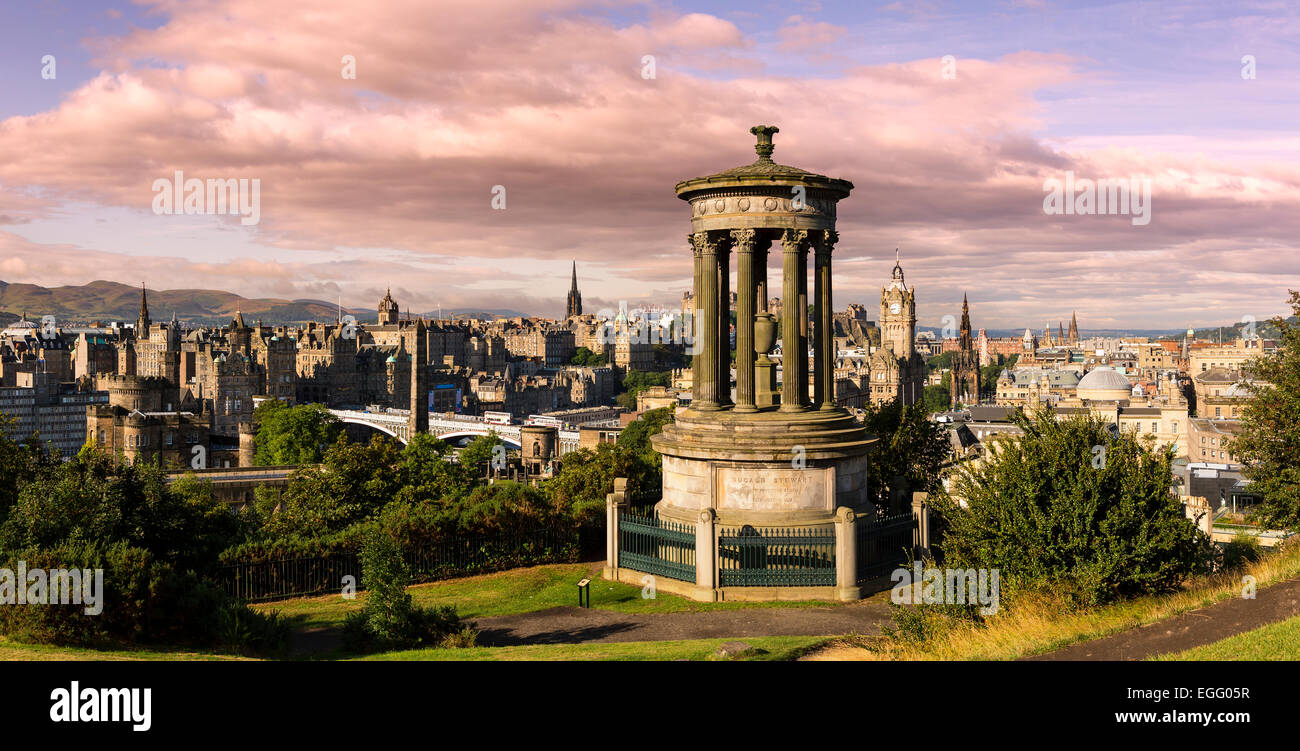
(697, 321)
(706, 574)
(614, 504)
(824, 341)
(744, 241)
(705, 364)
(846, 555)
(803, 326)
(724, 321)
(921, 510)
(793, 393)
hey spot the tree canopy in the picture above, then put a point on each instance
(1269, 441)
(1074, 505)
(293, 435)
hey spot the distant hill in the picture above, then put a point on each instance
(107, 301)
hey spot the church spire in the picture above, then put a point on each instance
(573, 305)
(142, 320)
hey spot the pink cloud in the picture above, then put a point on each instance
(802, 35)
(551, 103)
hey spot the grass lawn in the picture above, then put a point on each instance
(1276, 641)
(1039, 625)
(767, 648)
(521, 590)
(11, 650)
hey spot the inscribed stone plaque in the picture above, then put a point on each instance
(768, 489)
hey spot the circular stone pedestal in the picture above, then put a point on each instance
(766, 468)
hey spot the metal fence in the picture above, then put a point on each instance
(656, 546)
(884, 544)
(776, 557)
(263, 581)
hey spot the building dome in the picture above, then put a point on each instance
(21, 328)
(1104, 384)
(1238, 391)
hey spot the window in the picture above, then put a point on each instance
(1155, 427)
(1218, 411)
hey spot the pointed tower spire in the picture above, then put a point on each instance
(142, 320)
(573, 306)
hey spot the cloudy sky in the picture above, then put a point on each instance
(387, 178)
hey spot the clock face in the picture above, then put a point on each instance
(894, 308)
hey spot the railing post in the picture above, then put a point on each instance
(706, 557)
(921, 512)
(846, 555)
(614, 502)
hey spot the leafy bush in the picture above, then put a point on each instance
(389, 620)
(1072, 505)
(144, 601)
(293, 435)
(1243, 549)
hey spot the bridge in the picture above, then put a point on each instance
(395, 423)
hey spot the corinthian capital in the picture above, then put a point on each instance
(824, 241)
(704, 244)
(744, 240)
(794, 240)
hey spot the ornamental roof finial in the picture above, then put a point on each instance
(764, 146)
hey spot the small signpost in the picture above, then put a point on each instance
(584, 593)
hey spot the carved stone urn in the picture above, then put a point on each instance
(764, 334)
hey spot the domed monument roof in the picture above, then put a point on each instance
(1104, 384)
(765, 171)
(763, 195)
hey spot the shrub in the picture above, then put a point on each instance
(389, 620)
(144, 600)
(1243, 549)
(1072, 505)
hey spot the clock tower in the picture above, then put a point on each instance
(897, 370)
(898, 314)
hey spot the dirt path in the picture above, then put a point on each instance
(572, 625)
(1192, 629)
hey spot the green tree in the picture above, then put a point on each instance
(385, 575)
(19, 463)
(584, 356)
(476, 458)
(636, 436)
(1074, 506)
(637, 381)
(586, 476)
(353, 483)
(936, 399)
(99, 499)
(1268, 443)
(505, 506)
(389, 618)
(909, 454)
(293, 435)
(426, 473)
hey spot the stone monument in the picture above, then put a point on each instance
(792, 458)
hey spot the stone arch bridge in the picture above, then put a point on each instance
(395, 423)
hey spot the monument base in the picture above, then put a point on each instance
(767, 468)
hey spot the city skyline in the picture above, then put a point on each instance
(388, 177)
